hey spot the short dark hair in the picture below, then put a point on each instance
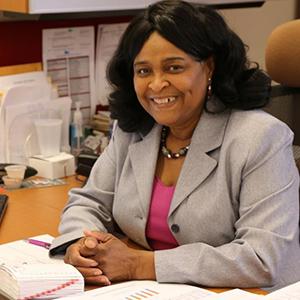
(200, 32)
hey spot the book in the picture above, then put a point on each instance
(101, 121)
(27, 271)
(42, 281)
(22, 252)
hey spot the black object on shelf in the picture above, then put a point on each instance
(280, 90)
(85, 162)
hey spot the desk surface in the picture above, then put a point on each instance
(34, 211)
(37, 211)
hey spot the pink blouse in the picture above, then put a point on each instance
(157, 231)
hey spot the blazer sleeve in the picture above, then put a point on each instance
(266, 231)
(89, 207)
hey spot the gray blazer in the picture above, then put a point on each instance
(234, 213)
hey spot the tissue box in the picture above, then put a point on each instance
(53, 167)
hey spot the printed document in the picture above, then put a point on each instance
(7, 81)
(145, 289)
(68, 58)
(290, 292)
(108, 37)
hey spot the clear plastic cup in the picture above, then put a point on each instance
(12, 183)
(49, 136)
(15, 171)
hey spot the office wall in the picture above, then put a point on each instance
(254, 25)
(21, 41)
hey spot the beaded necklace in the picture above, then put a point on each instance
(167, 152)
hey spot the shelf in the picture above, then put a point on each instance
(75, 6)
(279, 90)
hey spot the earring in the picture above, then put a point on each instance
(209, 91)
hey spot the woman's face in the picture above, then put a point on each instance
(170, 84)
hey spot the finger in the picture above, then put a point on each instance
(88, 246)
(89, 272)
(97, 280)
(73, 257)
(80, 261)
(90, 242)
(100, 236)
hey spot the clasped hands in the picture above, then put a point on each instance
(102, 258)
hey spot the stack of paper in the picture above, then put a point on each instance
(46, 281)
(27, 271)
(101, 121)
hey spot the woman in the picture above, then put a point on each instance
(195, 174)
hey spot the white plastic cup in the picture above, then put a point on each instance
(49, 136)
(12, 183)
(15, 171)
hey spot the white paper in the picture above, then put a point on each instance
(19, 129)
(290, 292)
(21, 252)
(108, 37)
(69, 59)
(21, 94)
(20, 133)
(151, 290)
(27, 272)
(8, 81)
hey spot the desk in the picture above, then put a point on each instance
(37, 211)
(34, 211)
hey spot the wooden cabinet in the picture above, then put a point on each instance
(13, 5)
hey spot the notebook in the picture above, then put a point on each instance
(27, 271)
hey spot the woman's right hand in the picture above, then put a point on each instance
(78, 254)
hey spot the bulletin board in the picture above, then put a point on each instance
(21, 41)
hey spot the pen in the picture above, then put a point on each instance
(39, 243)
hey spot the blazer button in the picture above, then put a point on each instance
(175, 228)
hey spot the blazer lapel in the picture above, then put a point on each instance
(143, 157)
(208, 135)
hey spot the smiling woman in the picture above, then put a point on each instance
(170, 84)
(195, 173)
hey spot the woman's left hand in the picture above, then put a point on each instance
(118, 261)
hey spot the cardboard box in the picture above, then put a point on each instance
(53, 167)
